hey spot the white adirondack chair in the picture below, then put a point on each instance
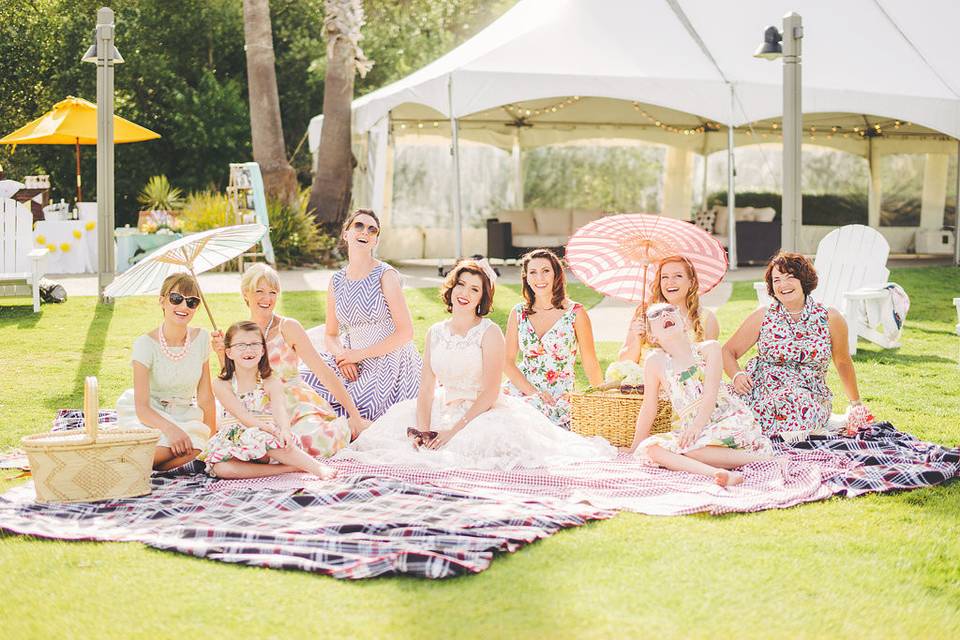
(851, 265)
(21, 266)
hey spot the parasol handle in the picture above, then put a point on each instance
(203, 299)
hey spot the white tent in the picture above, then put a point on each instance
(678, 72)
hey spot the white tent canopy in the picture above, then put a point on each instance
(891, 58)
(655, 69)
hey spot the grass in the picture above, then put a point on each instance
(875, 566)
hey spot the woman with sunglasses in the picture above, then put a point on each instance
(460, 419)
(171, 379)
(676, 283)
(369, 330)
(718, 433)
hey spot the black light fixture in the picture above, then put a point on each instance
(771, 49)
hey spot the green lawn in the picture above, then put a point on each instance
(886, 566)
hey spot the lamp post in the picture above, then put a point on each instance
(791, 213)
(105, 55)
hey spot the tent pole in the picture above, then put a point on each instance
(517, 169)
(703, 195)
(731, 190)
(455, 151)
(956, 219)
(79, 188)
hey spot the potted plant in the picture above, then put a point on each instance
(161, 201)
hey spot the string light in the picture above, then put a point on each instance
(519, 113)
(666, 127)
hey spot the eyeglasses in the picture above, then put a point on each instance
(659, 312)
(242, 347)
(359, 227)
(176, 298)
(421, 438)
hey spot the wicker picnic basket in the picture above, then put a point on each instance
(613, 415)
(83, 465)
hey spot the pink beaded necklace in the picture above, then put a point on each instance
(166, 349)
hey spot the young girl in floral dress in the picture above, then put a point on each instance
(257, 430)
(717, 433)
(546, 331)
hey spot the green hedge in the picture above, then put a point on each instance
(827, 209)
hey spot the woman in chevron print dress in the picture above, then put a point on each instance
(369, 331)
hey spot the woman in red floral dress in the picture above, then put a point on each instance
(785, 383)
(547, 331)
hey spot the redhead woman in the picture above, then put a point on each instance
(171, 379)
(369, 330)
(288, 349)
(786, 382)
(676, 283)
(546, 331)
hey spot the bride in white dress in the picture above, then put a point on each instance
(462, 419)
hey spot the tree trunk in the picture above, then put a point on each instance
(333, 173)
(269, 150)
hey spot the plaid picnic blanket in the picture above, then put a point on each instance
(884, 458)
(354, 527)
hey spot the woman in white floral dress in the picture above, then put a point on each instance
(547, 331)
(717, 431)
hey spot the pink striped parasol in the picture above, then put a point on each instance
(618, 255)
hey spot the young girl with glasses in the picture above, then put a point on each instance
(717, 431)
(171, 379)
(257, 429)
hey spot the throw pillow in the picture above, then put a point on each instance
(705, 220)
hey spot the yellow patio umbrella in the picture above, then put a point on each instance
(74, 121)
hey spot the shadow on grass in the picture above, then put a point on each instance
(22, 315)
(895, 356)
(91, 357)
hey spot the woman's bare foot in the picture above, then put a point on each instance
(727, 478)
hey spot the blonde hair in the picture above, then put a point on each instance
(257, 272)
(182, 282)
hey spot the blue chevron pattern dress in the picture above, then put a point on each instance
(364, 320)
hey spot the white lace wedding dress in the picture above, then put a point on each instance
(511, 434)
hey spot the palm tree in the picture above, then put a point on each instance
(279, 177)
(333, 174)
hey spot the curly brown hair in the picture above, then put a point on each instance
(559, 294)
(468, 266)
(796, 265)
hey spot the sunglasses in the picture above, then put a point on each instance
(359, 227)
(176, 298)
(242, 347)
(421, 438)
(659, 312)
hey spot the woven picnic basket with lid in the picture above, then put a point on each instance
(83, 465)
(613, 415)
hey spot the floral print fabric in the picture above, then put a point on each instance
(312, 418)
(731, 424)
(789, 372)
(548, 362)
(234, 441)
